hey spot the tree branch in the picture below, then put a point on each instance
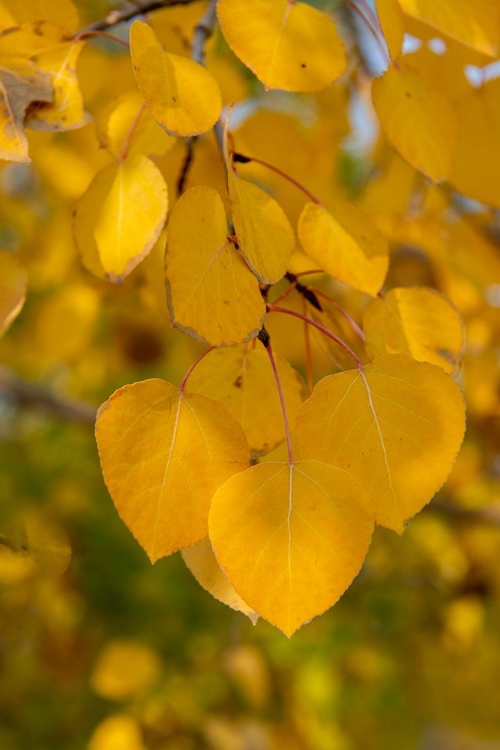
(129, 11)
(26, 393)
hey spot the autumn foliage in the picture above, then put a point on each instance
(277, 222)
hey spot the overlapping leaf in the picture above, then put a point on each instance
(211, 292)
(418, 120)
(264, 233)
(417, 321)
(478, 144)
(345, 243)
(290, 538)
(66, 111)
(21, 84)
(242, 379)
(163, 454)
(13, 280)
(288, 45)
(182, 95)
(202, 563)
(128, 115)
(474, 24)
(392, 23)
(63, 12)
(396, 428)
(120, 217)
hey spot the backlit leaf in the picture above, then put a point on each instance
(290, 538)
(288, 45)
(345, 243)
(13, 280)
(418, 120)
(474, 24)
(181, 94)
(211, 292)
(148, 137)
(478, 144)
(67, 110)
(21, 84)
(396, 428)
(264, 233)
(417, 321)
(242, 379)
(392, 23)
(129, 203)
(163, 454)
(203, 564)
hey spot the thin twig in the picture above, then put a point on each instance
(31, 394)
(129, 11)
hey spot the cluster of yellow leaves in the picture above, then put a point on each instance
(189, 468)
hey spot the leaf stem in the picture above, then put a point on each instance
(341, 310)
(245, 159)
(325, 331)
(192, 366)
(85, 34)
(307, 347)
(269, 350)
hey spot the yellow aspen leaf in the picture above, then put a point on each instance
(287, 44)
(21, 84)
(418, 120)
(474, 24)
(63, 12)
(13, 281)
(7, 20)
(290, 538)
(131, 214)
(163, 454)
(202, 563)
(66, 111)
(181, 94)
(392, 22)
(31, 39)
(147, 138)
(242, 379)
(384, 426)
(117, 732)
(265, 235)
(417, 321)
(345, 242)
(124, 669)
(211, 293)
(478, 144)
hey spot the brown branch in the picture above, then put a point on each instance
(129, 11)
(26, 393)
